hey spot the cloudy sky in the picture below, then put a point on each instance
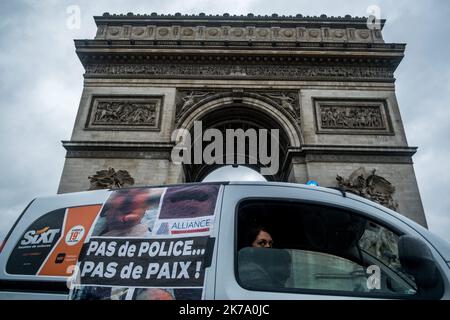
(41, 84)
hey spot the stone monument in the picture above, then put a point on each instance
(327, 84)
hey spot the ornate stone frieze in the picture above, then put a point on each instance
(110, 178)
(285, 100)
(125, 113)
(341, 117)
(238, 33)
(352, 116)
(370, 186)
(257, 71)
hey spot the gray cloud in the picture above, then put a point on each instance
(41, 83)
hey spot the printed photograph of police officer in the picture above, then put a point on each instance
(129, 213)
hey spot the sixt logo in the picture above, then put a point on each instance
(42, 236)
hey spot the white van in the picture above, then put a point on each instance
(197, 241)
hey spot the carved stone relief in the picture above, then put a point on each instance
(110, 179)
(370, 186)
(125, 113)
(287, 101)
(338, 117)
(190, 98)
(352, 116)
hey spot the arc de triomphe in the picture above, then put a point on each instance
(327, 84)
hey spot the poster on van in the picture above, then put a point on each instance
(149, 244)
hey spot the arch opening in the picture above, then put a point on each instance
(239, 123)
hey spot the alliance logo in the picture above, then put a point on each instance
(191, 226)
(41, 236)
(75, 235)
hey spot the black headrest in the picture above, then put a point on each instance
(264, 267)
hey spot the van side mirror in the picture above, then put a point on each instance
(416, 259)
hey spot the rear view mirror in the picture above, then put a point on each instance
(416, 259)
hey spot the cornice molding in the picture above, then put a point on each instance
(306, 153)
(248, 18)
(116, 145)
(307, 148)
(170, 45)
(404, 151)
(304, 61)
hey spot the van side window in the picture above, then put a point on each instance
(319, 250)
